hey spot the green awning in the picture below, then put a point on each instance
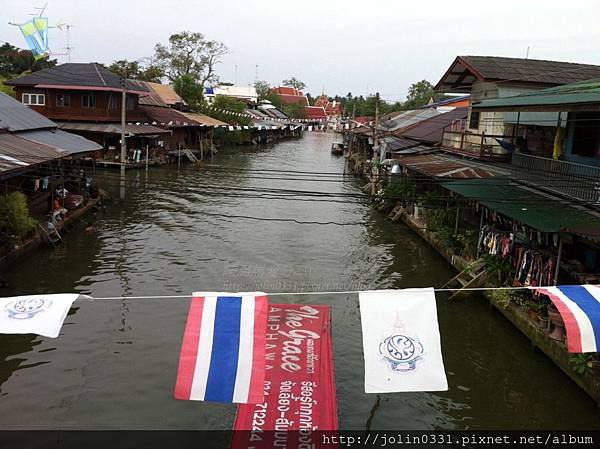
(544, 213)
(582, 96)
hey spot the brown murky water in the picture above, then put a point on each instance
(115, 363)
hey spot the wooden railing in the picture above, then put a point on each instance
(481, 146)
(577, 181)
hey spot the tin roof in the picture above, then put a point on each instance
(15, 116)
(112, 128)
(61, 140)
(203, 120)
(160, 95)
(440, 166)
(17, 154)
(432, 129)
(168, 117)
(408, 118)
(575, 96)
(542, 212)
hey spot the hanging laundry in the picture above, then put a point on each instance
(36, 314)
(223, 350)
(401, 341)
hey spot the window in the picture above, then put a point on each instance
(474, 120)
(112, 102)
(34, 99)
(88, 101)
(130, 102)
(63, 100)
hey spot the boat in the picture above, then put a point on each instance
(337, 148)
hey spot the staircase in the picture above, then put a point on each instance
(191, 156)
(472, 276)
(50, 234)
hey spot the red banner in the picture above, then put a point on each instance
(300, 400)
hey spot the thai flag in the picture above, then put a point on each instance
(223, 351)
(579, 307)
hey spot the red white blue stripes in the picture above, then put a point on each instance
(223, 351)
(579, 307)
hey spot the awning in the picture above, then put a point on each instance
(439, 166)
(540, 212)
(204, 120)
(17, 154)
(584, 96)
(112, 128)
(61, 140)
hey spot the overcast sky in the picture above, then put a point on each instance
(340, 46)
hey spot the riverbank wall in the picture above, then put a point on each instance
(588, 380)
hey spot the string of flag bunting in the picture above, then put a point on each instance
(276, 360)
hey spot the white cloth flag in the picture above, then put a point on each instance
(37, 314)
(401, 341)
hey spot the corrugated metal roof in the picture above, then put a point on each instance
(541, 212)
(408, 118)
(18, 154)
(112, 128)
(15, 116)
(438, 166)
(204, 120)
(554, 99)
(77, 74)
(432, 129)
(168, 117)
(160, 95)
(61, 140)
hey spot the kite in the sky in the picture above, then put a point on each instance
(35, 33)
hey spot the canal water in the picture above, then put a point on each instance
(182, 229)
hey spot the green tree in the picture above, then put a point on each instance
(191, 55)
(295, 83)
(418, 94)
(295, 110)
(231, 105)
(15, 221)
(263, 89)
(142, 69)
(15, 61)
(188, 89)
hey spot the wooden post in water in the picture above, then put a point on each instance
(147, 156)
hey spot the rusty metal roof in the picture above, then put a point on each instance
(112, 128)
(17, 154)
(168, 117)
(440, 166)
(204, 120)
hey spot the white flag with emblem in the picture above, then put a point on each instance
(36, 314)
(401, 341)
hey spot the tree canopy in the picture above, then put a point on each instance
(295, 83)
(15, 61)
(418, 94)
(141, 69)
(190, 54)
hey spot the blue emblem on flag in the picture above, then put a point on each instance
(25, 309)
(401, 352)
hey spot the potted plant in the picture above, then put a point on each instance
(558, 333)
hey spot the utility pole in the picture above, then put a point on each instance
(123, 118)
(375, 181)
(123, 140)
